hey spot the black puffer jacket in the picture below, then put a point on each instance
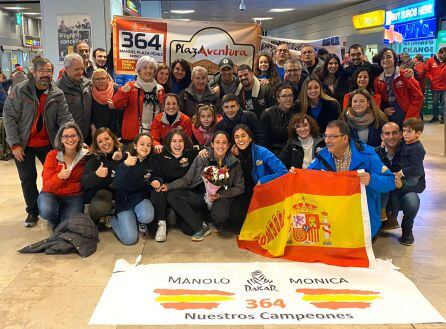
(76, 234)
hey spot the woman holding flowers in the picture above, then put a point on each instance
(187, 196)
(259, 166)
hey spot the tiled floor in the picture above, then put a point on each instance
(44, 292)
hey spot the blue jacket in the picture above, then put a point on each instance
(381, 178)
(266, 166)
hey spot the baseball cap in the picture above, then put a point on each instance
(225, 62)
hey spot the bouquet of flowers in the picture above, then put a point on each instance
(214, 178)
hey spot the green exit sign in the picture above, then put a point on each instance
(18, 19)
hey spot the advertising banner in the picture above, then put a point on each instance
(261, 293)
(301, 217)
(423, 47)
(199, 43)
(70, 30)
(332, 44)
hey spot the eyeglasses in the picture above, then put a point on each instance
(289, 96)
(100, 79)
(65, 137)
(331, 136)
(282, 50)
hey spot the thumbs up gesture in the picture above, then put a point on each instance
(64, 173)
(117, 156)
(131, 160)
(102, 171)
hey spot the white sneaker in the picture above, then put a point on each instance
(161, 232)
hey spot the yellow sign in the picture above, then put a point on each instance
(368, 20)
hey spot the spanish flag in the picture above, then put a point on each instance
(310, 216)
(192, 299)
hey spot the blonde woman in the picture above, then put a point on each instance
(317, 104)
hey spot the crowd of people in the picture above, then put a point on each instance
(135, 154)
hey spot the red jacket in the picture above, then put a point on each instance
(436, 73)
(132, 103)
(161, 126)
(420, 68)
(407, 93)
(62, 187)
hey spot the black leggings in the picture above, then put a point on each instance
(190, 205)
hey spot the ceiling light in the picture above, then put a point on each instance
(280, 10)
(15, 8)
(178, 11)
(31, 13)
(182, 19)
(262, 18)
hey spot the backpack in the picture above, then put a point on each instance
(5, 151)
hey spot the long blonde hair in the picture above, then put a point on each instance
(379, 117)
(303, 96)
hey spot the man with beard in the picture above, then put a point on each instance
(225, 82)
(33, 113)
(251, 95)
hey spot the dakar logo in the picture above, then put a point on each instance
(308, 222)
(259, 282)
(272, 229)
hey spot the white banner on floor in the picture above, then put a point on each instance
(260, 293)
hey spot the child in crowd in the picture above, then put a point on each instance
(412, 170)
(203, 124)
(132, 183)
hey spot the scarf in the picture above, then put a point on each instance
(151, 105)
(207, 135)
(103, 96)
(359, 122)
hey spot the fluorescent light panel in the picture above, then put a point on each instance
(185, 11)
(15, 8)
(262, 18)
(280, 10)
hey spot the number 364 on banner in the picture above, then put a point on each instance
(133, 39)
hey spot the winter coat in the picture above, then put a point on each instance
(407, 93)
(373, 138)
(76, 234)
(54, 163)
(103, 116)
(193, 178)
(242, 117)
(274, 133)
(266, 166)
(161, 126)
(78, 96)
(216, 81)
(20, 110)
(330, 110)
(132, 104)
(292, 154)
(132, 184)
(436, 73)
(92, 182)
(364, 157)
(420, 69)
(317, 69)
(189, 100)
(261, 97)
(341, 87)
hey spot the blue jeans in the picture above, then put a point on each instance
(438, 102)
(55, 208)
(124, 223)
(409, 203)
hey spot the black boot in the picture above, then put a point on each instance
(407, 238)
(31, 220)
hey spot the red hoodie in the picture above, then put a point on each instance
(161, 127)
(54, 165)
(407, 93)
(436, 73)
